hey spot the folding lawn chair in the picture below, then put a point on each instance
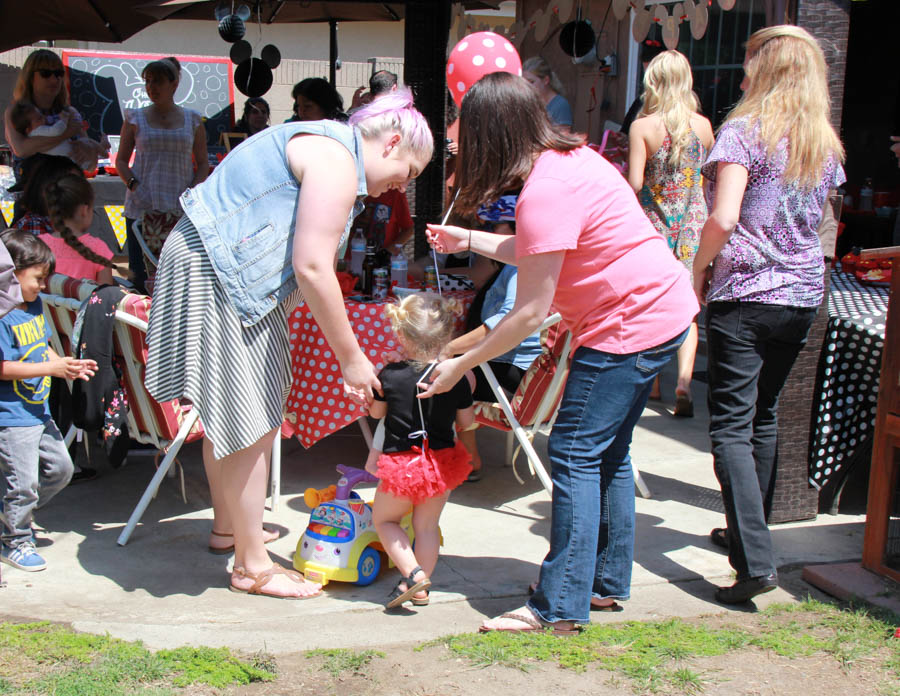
(166, 426)
(534, 405)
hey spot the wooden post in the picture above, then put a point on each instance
(883, 478)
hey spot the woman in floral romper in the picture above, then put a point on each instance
(668, 144)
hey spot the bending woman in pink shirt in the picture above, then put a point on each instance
(584, 246)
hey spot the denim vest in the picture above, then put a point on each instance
(245, 214)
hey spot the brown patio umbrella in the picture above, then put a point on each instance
(271, 11)
(26, 21)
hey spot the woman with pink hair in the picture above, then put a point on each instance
(258, 236)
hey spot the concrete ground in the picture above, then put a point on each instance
(165, 589)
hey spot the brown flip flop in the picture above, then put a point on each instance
(534, 626)
(262, 579)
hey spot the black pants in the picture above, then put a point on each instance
(507, 374)
(751, 349)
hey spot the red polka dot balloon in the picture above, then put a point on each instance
(478, 55)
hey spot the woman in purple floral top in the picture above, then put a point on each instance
(760, 270)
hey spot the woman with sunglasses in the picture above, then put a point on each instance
(42, 82)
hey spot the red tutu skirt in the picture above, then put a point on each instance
(418, 476)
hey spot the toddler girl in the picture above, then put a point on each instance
(70, 203)
(422, 461)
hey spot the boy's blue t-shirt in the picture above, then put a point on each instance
(24, 337)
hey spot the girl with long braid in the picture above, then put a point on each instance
(70, 204)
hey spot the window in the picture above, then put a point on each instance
(717, 57)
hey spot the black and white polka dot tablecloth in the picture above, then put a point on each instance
(847, 398)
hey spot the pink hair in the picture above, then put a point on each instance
(395, 111)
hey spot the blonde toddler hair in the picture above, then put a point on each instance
(425, 322)
(669, 92)
(787, 96)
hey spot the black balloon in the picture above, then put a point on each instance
(270, 55)
(253, 77)
(232, 29)
(240, 51)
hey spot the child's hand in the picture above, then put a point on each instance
(372, 467)
(71, 368)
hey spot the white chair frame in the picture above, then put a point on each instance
(543, 419)
(170, 448)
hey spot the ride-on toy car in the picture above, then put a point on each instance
(340, 542)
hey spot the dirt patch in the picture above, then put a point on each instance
(747, 671)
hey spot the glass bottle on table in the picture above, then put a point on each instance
(368, 270)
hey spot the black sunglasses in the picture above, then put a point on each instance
(47, 74)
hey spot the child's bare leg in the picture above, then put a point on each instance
(426, 516)
(387, 511)
(467, 438)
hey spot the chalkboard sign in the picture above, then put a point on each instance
(103, 83)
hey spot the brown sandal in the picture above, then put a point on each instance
(225, 550)
(262, 579)
(534, 625)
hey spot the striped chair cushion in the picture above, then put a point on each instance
(161, 420)
(531, 390)
(63, 320)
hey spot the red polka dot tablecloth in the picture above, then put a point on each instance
(317, 405)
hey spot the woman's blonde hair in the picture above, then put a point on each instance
(426, 322)
(43, 58)
(539, 67)
(787, 96)
(669, 92)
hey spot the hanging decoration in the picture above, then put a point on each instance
(668, 14)
(231, 21)
(252, 76)
(478, 55)
(693, 12)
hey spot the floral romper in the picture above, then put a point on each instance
(672, 197)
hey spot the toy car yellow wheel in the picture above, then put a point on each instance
(368, 566)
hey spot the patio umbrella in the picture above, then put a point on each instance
(28, 21)
(281, 11)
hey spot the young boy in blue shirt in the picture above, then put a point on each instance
(34, 462)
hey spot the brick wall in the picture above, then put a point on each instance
(829, 22)
(794, 498)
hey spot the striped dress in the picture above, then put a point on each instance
(238, 377)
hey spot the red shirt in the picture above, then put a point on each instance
(384, 218)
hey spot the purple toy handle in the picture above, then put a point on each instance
(350, 477)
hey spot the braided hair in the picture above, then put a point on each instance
(63, 197)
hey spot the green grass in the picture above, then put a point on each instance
(54, 659)
(652, 655)
(338, 660)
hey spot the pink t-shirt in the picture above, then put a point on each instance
(620, 289)
(69, 262)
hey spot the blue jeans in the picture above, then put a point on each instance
(592, 526)
(751, 348)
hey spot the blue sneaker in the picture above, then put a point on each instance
(23, 557)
